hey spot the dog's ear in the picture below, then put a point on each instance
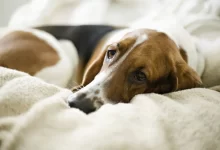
(183, 54)
(186, 77)
(93, 69)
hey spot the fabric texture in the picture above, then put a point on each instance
(34, 114)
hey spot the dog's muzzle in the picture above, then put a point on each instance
(81, 102)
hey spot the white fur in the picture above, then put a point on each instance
(60, 73)
(210, 50)
(116, 35)
(70, 50)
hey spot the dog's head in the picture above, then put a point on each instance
(143, 61)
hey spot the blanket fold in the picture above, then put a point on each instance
(34, 115)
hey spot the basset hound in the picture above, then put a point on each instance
(116, 63)
(133, 61)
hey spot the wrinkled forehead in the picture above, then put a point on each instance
(139, 32)
(122, 34)
(144, 46)
(134, 44)
(143, 40)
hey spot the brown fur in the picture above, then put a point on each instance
(183, 54)
(93, 70)
(25, 52)
(158, 57)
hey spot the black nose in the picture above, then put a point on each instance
(82, 103)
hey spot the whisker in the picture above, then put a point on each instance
(77, 88)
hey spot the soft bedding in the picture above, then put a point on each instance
(34, 114)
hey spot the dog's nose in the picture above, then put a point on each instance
(82, 103)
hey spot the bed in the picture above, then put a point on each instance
(34, 114)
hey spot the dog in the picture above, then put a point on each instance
(131, 62)
(117, 63)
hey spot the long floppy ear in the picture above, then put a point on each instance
(93, 69)
(186, 77)
(180, 78)
(183, 54)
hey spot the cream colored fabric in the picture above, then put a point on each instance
(34, 115)
(74, 12)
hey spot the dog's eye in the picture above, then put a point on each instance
(111, 53)
(139, 77)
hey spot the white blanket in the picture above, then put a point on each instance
(116, 12)
(34, 116)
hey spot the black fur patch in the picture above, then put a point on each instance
(84, 37)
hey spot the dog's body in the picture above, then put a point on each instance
(119, 63)
(56, 54)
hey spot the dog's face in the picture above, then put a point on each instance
(143, 61)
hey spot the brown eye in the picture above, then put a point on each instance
(138, 77)
(111, 54)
